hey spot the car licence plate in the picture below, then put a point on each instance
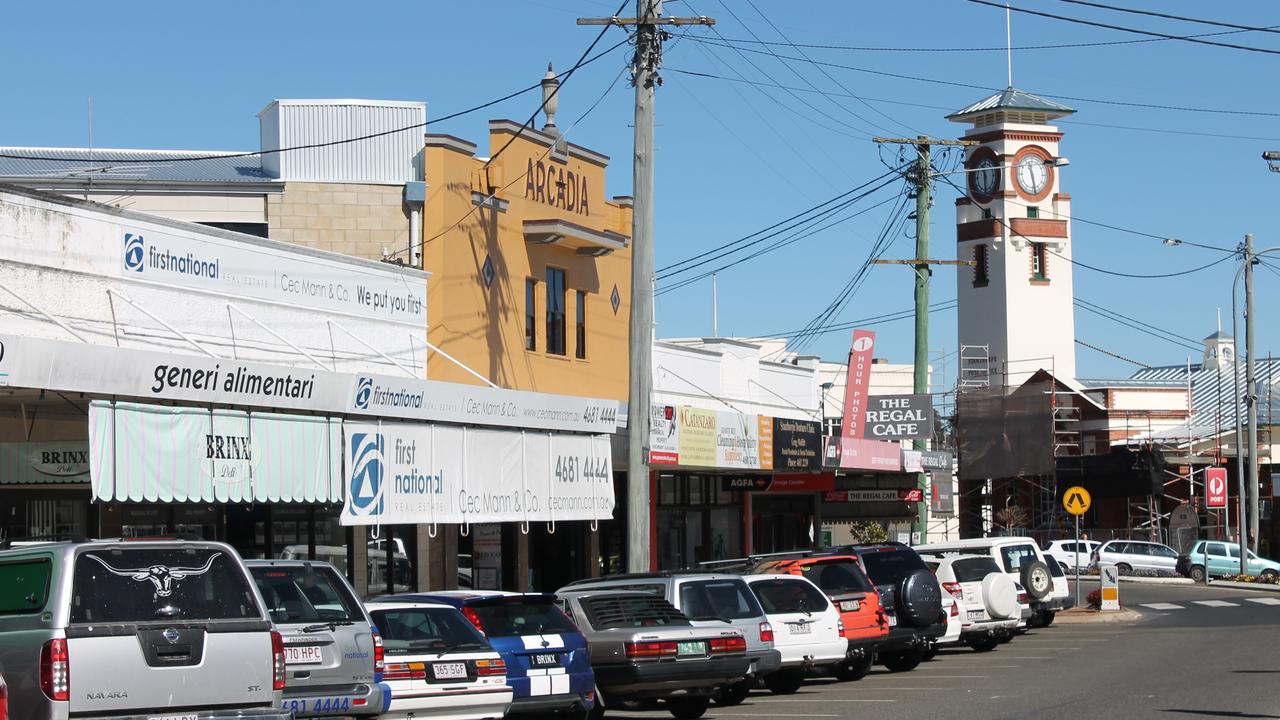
(305, 655)
(893, 621)
(691, 648)
(801, 628)
(546, 660)
(449, 671)
(977, 615)
(850, 605)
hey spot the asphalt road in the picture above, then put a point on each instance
(1206, 652)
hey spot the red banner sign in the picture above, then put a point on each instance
(900, 495)
(849, 453)
(856, 383)
(1215, 480)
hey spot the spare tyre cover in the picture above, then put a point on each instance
(919, 599)
(1037, 580)
(1000, 596)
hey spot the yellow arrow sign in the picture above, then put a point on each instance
(1077, 500)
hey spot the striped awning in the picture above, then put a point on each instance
(160, 453)
(42, 463)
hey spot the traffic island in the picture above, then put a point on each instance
(1081, 616)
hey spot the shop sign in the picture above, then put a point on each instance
(486, 557)
(743, 441)
(155, 453)
(797, 445)
(83, 240)
(44, 462)
(781, 483)
(899, 495)
(100, 369)
(935, 460)
(857, 381)
(849, 453)
(912, 461)
(664, 435)
(402, 473)
(899, 417)
(697, 434)
(941, 494)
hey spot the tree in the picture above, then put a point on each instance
(868, 532)
(1012, 517)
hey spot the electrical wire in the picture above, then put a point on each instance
(940, 306)
(96, 159)
(953, 83)
(1166, 16)
(999, 48)
(477, 205)
(790, 239)
(1121, 28)
(679, 267)
(1114, 355)
(1115, 317)
(1169, 333)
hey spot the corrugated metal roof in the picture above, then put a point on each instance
(1213, 389)
(25, 164)
(1012, 98)
(1098, 384)
(388, 150)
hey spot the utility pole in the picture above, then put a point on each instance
(921, 175)
(1251, 401)
(649, 34)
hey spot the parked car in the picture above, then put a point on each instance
(332, 651)
(842, 579)
(1018, 557)
(1071, 555)
(376, 564)
(1222, 558)
(1062, 597)
(910, 597)
(989, 607)
(807, 629)
(709, 600)
(4, 700)
(135, 626)
(1130, 555)
(545, 654)
(643, 649)
(954, 623)
(438, 665)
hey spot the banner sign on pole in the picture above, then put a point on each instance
(857, 381)
(1215, 483)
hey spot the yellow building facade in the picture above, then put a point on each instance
(530, 264)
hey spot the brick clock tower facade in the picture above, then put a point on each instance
(1014, 222)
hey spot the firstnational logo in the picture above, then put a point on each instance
(368, 471)
(139, 255)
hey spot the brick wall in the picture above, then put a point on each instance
(352, 219)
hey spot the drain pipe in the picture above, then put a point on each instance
(415, 195)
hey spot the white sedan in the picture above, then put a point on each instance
(438, 666)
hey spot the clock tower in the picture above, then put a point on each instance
(1014, 222)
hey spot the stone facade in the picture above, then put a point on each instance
(352, 219)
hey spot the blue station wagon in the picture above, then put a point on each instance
(548, 665)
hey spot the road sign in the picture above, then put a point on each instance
(1184, 527)
(1110, 587)
(1077, 500)
(1215, 480)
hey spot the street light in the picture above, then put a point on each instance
(1273, 159)
(826, 387)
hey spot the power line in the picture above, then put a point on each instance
(1103, 308)
(677, 267)
(1166, 16)
(1121, 28)
(790, 239)
(953, 83)
(1117, 318)
(1114, 355)
(999, 48)
(96, 159)
(863, 322)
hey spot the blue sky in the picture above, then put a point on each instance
(735, 157)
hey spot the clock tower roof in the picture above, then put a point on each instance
(1011, 105)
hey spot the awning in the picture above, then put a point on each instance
(585, 240)
(40, 463)
(183, 454)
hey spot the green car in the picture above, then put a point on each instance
(1223, 558)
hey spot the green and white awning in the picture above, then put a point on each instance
(42, 463)
(153, 453)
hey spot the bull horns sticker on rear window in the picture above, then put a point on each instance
(161, 576)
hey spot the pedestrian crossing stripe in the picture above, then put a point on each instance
(1162, 606)
(1265, 600)
(1216, 603)
(1210, 603)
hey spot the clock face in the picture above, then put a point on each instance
(1032, 174)
(985, 176)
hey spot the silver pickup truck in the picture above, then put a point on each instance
(136, 630)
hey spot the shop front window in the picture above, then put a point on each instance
(698, 521)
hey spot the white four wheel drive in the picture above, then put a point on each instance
(1019, 558)
(988, 598)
